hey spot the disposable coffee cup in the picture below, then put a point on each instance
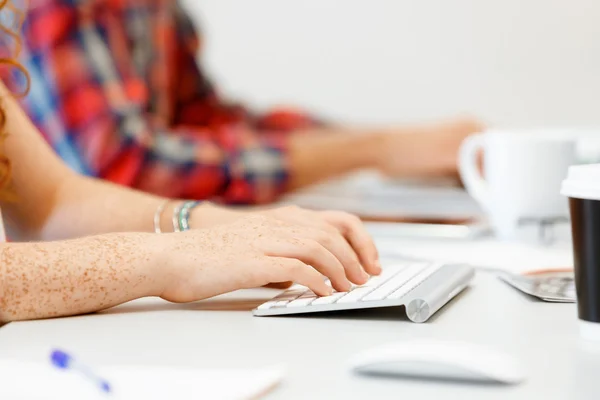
(582, 187)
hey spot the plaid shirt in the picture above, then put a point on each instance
(117, 92)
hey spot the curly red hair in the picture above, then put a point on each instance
(9, 58)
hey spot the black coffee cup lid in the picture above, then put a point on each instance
(582, 182)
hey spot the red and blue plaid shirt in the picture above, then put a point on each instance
(116, 90)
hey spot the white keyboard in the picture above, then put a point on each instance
(423, 288)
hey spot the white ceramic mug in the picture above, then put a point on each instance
(523, 174)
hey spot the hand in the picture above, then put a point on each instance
(254, 251)
(335, 222)
(425, 152)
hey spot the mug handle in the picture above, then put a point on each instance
(469, 171)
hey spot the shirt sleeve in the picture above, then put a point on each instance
(233, 165)
(97, 115)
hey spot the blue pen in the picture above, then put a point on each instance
(64, 361)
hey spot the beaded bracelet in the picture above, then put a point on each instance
(176, 212)
(184, 214)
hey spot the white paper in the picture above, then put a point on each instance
(33, 381)
(511, 257)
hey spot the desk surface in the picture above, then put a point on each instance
(222, 333)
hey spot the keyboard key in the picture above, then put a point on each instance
(290, 294)
(305, 299)
(267, 305)
(416, 281)
(356, 295)
(280, 303)
(301, 302)
(328, 299)
(391, 285)
(282, 299)
(358, 292)
(381, 278)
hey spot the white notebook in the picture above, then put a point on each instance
(33, 381)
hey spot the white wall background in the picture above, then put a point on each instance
(512, 62)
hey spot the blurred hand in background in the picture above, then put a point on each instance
(418, 151)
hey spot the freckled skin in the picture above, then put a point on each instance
(53, 279)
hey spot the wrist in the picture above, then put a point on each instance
(159, 254)
(400, 147)
(207, 215)
(318, 157)
(373, 147)
(204, 215)
(166, 216)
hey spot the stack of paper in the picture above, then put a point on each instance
(32, 381)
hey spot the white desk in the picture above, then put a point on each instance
(221, 332)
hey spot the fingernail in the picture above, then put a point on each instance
(378, 265)
(365, 275)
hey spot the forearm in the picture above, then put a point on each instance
(325, 153)
(409, 151)
(86, 206)
(42, 280)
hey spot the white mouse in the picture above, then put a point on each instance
(443, 360)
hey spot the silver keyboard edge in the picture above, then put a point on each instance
(424, 300)
(436, 291)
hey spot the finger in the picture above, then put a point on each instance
(332, 240)
(336, 243)
(312, 253)
(286, 269)
(330, 237)
(352, 228)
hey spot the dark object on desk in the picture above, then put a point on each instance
(556, 286)
(583, 189)
(585, 216)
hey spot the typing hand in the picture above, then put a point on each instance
(254, 251)
(334, 222)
